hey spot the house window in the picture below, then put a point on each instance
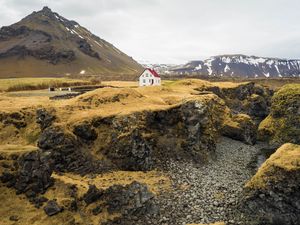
(144, 81)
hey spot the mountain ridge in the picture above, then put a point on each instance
(239, 65)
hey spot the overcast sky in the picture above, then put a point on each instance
(176, 31)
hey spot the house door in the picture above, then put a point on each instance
(151, 81)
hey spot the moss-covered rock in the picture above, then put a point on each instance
(240, 127)
(272, 196)
(140, 140)
(247, 98)
(283, 123)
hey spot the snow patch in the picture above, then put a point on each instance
(82, 72)
(208, 63)
(226, 69)
(78, 34)
(199, 67)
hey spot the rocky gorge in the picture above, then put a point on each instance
(176, 129)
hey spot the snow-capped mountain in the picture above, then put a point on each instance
(241, 66)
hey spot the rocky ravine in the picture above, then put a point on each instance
(181, 139)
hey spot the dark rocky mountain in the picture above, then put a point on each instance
(45, 43)
(241, 66)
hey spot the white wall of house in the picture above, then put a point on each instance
(148, 79)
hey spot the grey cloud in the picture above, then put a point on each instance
(176, 31)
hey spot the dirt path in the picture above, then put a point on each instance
(208, 193)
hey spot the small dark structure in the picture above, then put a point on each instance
(51, 89)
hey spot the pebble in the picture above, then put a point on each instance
(211, 190)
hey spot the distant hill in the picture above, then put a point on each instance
(240, 66)
(47, 44)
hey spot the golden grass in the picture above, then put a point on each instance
(156, 181)
(19, 84)
(228, 84)
(17, 148)
(106, 102)
(286, 158)
(121, 83)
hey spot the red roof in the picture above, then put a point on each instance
(153, 72)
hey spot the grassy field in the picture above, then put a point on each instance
(23, 84)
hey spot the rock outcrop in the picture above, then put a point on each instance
(143, 139)
(247, 98)
(283, 123)
(272, 196)
(68, 153)
(240, 127)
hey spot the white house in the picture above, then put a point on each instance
(149, 78)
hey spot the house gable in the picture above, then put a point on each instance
(149, 78)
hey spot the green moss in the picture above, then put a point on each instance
(286, 100)
(32, 137)
(283, 123)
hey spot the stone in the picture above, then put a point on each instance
(14, 218)
(52, 208)
(93, 194)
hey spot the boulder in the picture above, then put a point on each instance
(34, 173)
(56, 138)
(240, 127)
(272, 196)
(92, 195)
(132, 199)
(52, 208)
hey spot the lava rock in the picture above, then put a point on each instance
(44, 118)
(34, 173)
(52, 208)
(240, 127)
(55, 137)
(93, 194)
(85, 131)
(133, 199)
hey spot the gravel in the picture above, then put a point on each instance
(207, 193)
